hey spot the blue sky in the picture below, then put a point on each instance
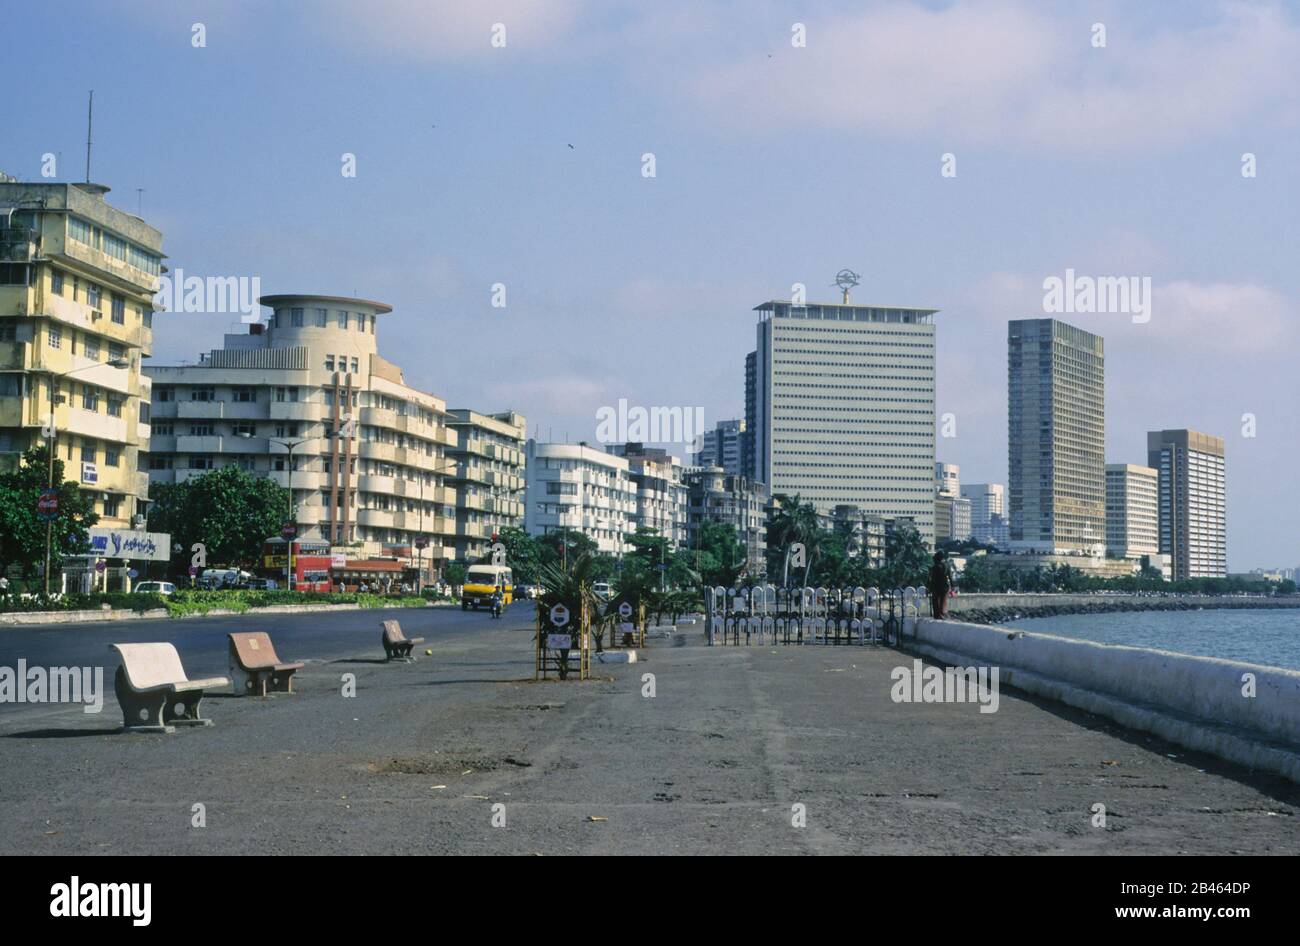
(774, 165)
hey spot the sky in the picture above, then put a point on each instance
(956, 155)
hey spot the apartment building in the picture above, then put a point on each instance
(77, 280)
(1192, 484)
(714, 495)
(577, 488)
(1132, 511)
(307, 400)
(723, 446)
(987, 512)
(488, 477)
(657, 478)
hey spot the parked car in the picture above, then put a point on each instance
(154, 587)
(602, 590)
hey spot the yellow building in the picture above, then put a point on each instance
(77, 279)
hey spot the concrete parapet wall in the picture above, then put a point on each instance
(1196, 702)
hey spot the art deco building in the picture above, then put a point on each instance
(1193, 523)
(488, 475)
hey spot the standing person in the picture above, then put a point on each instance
(940, 584)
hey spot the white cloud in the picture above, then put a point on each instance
(1004, 71)
(445, 30)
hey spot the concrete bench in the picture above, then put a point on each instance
(153, 691)
(396, 644)
(255, 667)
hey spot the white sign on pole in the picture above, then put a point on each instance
(625, 609)
(559, 641)
(559, 615)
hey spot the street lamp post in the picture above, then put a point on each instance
(50, 443)
(289, 446)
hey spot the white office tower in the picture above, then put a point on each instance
(844, 407)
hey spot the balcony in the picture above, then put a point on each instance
(379, 417)
(381, 518)
(295, 410)
(200, 444)
(200, 410)
(302, 479)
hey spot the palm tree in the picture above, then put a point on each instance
(794, 521)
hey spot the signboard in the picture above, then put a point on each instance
(133, 573)
(194, 570)
(89, 473)
(127, 543)
(559, 641)
(289, 530)
(559, 615)
(47, 506)
(625, 610)
(338, 560)
(101, 565)
(422, 542)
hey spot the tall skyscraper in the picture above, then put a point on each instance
(947, 480)
(77, 280)
(748, 466)
(1056, 436)
(722, 446)
(1132, 511)
(1193, 523)
(988, 521)
(844, 407)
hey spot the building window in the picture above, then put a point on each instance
(201, 430)
(201, 463)
(112, 456)
(91, 348)
(286, 394)
(203, 394)
(88, 450)
(354, 365)
(320, 318)
(246, 395)
(361, 322)
(56, 283)
(159, 463)
(295, 317)
(162, 428)
(54, 337)
(144, 412)
(343, 318)
(114, 406)
(93, 295)
(115, 247)
(112, 506)
(329, 362)
(89, 399)
(164, 394)
(247, 427)
(119, 310)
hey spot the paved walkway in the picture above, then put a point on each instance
(713, 763)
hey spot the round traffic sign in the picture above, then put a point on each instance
(625, 609)
(559, 615)
(47, 505)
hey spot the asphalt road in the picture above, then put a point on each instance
(465, 753)
(202, 645)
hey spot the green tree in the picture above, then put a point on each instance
(523, 554)
(722, 557)
(230, 512)
(794, 521)
(22, 534)
(907, 561)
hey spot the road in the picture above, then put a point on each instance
(746, 750)
(201, 641)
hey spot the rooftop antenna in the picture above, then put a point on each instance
(846, 279)
(90, 121)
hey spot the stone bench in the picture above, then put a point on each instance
(256, 668)
(397, 646)
(153, 691)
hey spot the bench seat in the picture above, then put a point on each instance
(255, 666)
(153, 691)
(397, 646)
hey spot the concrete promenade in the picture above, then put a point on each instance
(713, 763)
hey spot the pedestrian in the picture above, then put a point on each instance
(940, 583)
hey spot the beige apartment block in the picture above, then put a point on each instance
(1193, 500)
(307, 397)
(77, 279)
(1132, 511)
(490, 456)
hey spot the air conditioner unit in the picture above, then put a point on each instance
(96, 315)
